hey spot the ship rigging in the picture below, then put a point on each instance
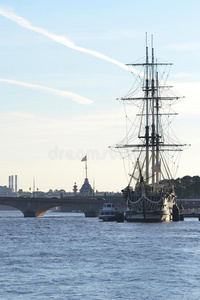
(150, 193)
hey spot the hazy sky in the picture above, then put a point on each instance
(62, 68)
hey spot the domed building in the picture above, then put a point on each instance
(86, 189)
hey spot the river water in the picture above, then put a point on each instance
(68, 256)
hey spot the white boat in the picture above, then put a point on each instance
(109, 212)
(150, 144)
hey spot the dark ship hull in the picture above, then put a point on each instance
(159, 213)
(148, 206)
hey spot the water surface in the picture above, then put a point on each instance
(68, 256)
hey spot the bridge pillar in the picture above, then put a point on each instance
(91, 214)
(28, 211)
(176, 213)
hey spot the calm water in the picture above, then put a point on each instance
(62, 256)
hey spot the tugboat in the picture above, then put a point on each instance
(150, 193)
(108, 213)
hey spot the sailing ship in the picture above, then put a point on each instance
(150, 193)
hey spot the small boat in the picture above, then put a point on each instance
(109, 212)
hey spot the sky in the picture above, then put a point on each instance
(62, 69)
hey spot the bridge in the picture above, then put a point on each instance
(36, 207)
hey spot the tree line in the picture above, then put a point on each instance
(187, 187)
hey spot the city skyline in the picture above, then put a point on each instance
(63, 66)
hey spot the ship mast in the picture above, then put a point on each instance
(153, 119)
(152, 140)
(157, 133)
(147, 113)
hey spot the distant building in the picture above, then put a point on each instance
(75, 189)
(86, 189)
(5, 191)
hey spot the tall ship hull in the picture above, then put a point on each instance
(148, 204)
(151, 207)
(158, 213)
(150, 145)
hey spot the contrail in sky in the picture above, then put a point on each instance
(69, 95)
(60, 39)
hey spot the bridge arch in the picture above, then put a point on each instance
(41, 212)
(7, 207)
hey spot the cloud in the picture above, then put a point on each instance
(60, 39)
(69, 95)
(67, 130)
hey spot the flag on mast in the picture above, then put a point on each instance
(84, 158)
(155, 167)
